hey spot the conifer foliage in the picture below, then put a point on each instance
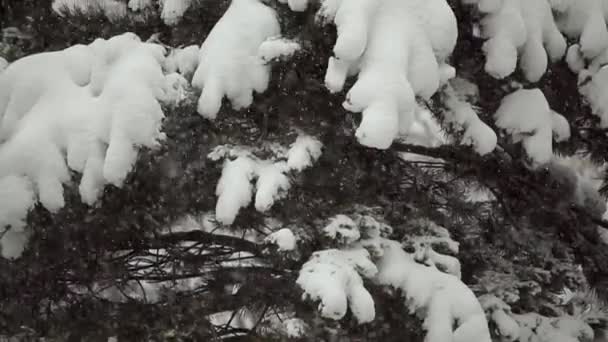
(197, 170)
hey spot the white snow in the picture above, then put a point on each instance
(303, 152)
(112, 9)
(16, 199)
(397, 48)
(236, 186)
(228, 62)
(173, 10)
(342, 229)
(585, 20)
(519, 29)
(234, 189)
(140, 5)
(3, 64)
(333, 277)
(183, 60)
(272, 184)
(277, 48)
(526, 116)
(499, 313)
(296, 5)
(283, 238)
(462, 115)
(448, 302)
(294, 327)
(594, 91)
(88, 108)
(560, 127)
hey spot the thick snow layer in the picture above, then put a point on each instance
(342, 229)
(425, 130)
(453, 313)
(234, 189)
(594, 92)
(397, 48)
(229, 65)
(526, 116)
(584, 20)
(16, 199)
(140, 5)
(271, 177)
(296, 5)
(88, 108)
(432, 235)
(283, 238)
(499, 313)
(303, 152)
(272, 184)
(183, 60)
(519, 29)
(173, 10)
(333, 277)
(276, 48)
(532, 327)
(461, 114)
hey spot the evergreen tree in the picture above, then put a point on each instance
(189, 170)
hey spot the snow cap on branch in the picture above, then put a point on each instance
(229, 65)
(526, 116)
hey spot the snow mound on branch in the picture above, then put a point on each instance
(236, 185)
(303, 152)
(140, 5)
(532, 327)
(276, 48)
(283, 238)
(431, 236)
(594, 91)
(333, 277)
(16, 199)
(445, 299)
(88, 108)
(397, 48)
(182, 60)
(463, 117)
(523, 29)
(234, 189)
(229, 65)
(342, 229)
(584, 20)
(526, 116)
(173, 10)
